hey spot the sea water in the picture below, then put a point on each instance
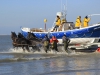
(17, 62)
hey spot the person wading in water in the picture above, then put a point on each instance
(46, 42)
(65, 41)
(54, 42)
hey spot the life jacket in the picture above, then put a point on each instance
(53, 39)
(58, 22)
(85, 22)
(78, 22)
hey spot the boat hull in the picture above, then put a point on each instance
(82, 35)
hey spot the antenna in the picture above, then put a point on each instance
(61, 5)
(63, 10)
(66, 7)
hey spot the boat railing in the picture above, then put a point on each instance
(65, 26)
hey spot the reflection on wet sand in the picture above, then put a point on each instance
(51, 64)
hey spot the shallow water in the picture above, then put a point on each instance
(16, 62)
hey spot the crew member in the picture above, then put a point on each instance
(78, 22)
(46, 42)
(54, 42)
(58, 23)
(66, 41)
(86, 21)
(62, 22)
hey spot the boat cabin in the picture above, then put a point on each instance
(67, 26)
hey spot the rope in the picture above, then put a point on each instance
(93, 14)
(89, 35)
(19, 44)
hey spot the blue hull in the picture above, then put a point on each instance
(88, 32)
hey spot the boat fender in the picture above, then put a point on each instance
(98, 49)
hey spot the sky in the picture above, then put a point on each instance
(15, 14)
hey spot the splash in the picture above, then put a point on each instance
(15, 50)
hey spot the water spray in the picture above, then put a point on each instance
(93, 15)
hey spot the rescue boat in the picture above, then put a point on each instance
(78, 36)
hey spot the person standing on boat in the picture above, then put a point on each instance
(58, 23)
(86, 21)
(54, 42)
(78, 22)
(62, 22)
(65, 41)
(46, 42)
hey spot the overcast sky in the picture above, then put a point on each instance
(31, 13)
